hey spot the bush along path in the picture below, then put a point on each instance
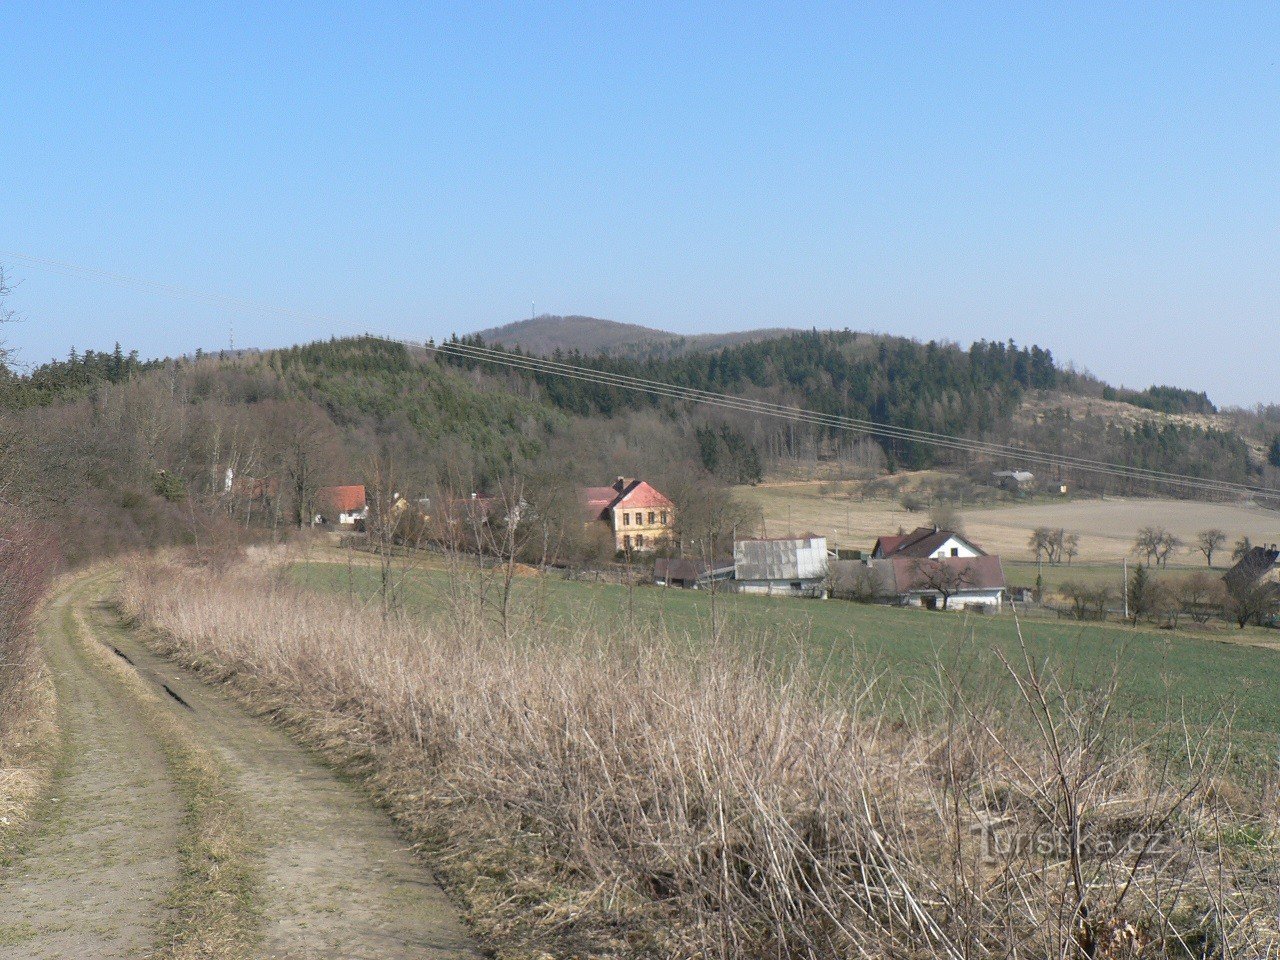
(178, 826)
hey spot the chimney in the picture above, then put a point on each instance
(620, 484)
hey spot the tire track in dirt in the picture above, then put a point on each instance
(90, 879)
(337, 882)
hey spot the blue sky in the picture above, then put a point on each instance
(1102, 180)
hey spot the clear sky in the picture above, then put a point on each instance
(1102, 180)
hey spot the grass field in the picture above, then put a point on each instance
(1162, 670)
(1106, 527)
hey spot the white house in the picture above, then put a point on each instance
(926, 543)
(786, 566)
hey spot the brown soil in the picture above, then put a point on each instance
(89, 882)
(336, 880)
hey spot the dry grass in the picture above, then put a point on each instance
(624, 796)
(28, 707)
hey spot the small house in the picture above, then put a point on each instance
(341, 506)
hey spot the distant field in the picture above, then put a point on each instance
(1162, 670)
(1106, 527)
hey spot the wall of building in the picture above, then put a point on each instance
(985, 598)
(644, 534)
(782, 588)
(959, 546)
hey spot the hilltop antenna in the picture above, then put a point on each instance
(532, 314)
(231, 331)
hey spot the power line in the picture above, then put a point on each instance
(547, 366)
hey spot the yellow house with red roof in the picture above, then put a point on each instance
(640, 518)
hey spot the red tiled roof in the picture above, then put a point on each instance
(636, 494)
(640, 494)
(342, 499)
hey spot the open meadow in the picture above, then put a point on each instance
(1107, 527)
(1162, 671)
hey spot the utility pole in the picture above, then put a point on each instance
(1124, 588)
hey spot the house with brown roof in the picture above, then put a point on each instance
(926, 543)
(928, 567)
(638, 517)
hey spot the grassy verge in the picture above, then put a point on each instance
(214, 906)
(28, 757)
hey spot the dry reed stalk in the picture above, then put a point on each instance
(630, 795)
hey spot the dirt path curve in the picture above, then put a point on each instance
(337, 880)
(90, 880)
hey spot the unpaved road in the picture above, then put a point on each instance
(92, 877)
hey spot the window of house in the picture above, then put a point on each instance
(626, 542)
(664, 517)
(796, 585)
(651, 520)
(955, 551)
(639, 539)
(626, 519)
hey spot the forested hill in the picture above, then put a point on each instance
(117, 449)
(974, 392)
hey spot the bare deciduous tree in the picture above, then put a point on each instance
(1208, 541)
(943, 578)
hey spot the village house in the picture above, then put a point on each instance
(926, 542)
(930, 568)
(342, 506)
(638, 517)
(783, 566)
(1260, 565)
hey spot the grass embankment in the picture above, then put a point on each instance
(598, 786)
(29, 748)
(213, 907)
(28, 704)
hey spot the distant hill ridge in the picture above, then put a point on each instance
(591, 335)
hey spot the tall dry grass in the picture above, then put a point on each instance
(25, 565)
(27, 704)
(630, 795)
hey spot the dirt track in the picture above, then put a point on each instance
(94, 876)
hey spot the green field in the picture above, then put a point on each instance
(1162, 671)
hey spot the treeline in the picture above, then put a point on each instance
(1163, 399)
(924, 386)
(195, 451)
(80, 372)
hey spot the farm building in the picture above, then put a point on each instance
(787, 566)
(926, 543)
(638, 516)
(1014, 480)
(690, 574)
